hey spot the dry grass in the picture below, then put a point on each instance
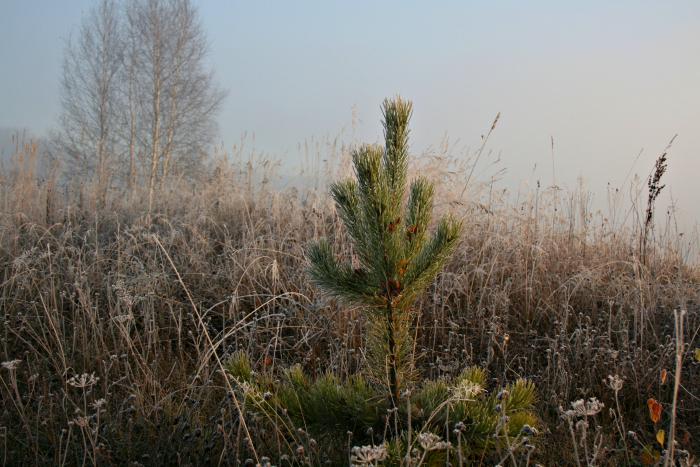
(118, 325)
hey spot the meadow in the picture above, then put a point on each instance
(123, 334)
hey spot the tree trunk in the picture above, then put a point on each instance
(392, 357)
(155, 150)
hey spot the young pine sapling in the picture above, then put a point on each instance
(397, 256)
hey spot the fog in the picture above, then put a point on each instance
(611, 84)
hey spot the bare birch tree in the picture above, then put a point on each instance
(139, 103)
(129, 113)
(88, 134)
(178, 97)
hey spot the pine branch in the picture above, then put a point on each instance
(375, 215)
(339, 280)
(420, 206)
(397, 113)
(432, 257)
(347, 200)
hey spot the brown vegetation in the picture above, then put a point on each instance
(113, 328)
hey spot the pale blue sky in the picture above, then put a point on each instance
(605, 79)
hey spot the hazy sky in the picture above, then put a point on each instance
(605, 79)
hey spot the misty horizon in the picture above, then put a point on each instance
(609, 84)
